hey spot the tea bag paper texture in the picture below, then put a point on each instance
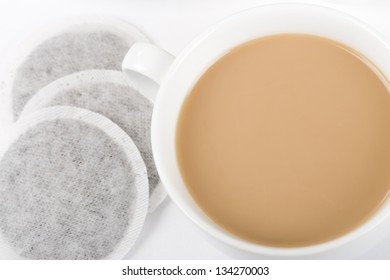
(69, 47)
(72, 186)
(113, 95)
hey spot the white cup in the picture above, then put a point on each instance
(152, 66)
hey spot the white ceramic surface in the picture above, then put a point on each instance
(190, 64)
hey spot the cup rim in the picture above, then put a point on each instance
(220, 233)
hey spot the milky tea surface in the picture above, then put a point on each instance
(285, 140)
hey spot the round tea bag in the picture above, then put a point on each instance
(72, 186)
(64, 48)
(113, 95)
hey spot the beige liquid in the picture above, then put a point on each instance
(285, 140)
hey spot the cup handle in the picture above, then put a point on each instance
(147, 65)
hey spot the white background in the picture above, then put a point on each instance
(171, 24)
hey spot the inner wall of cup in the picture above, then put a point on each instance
(246, 26)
